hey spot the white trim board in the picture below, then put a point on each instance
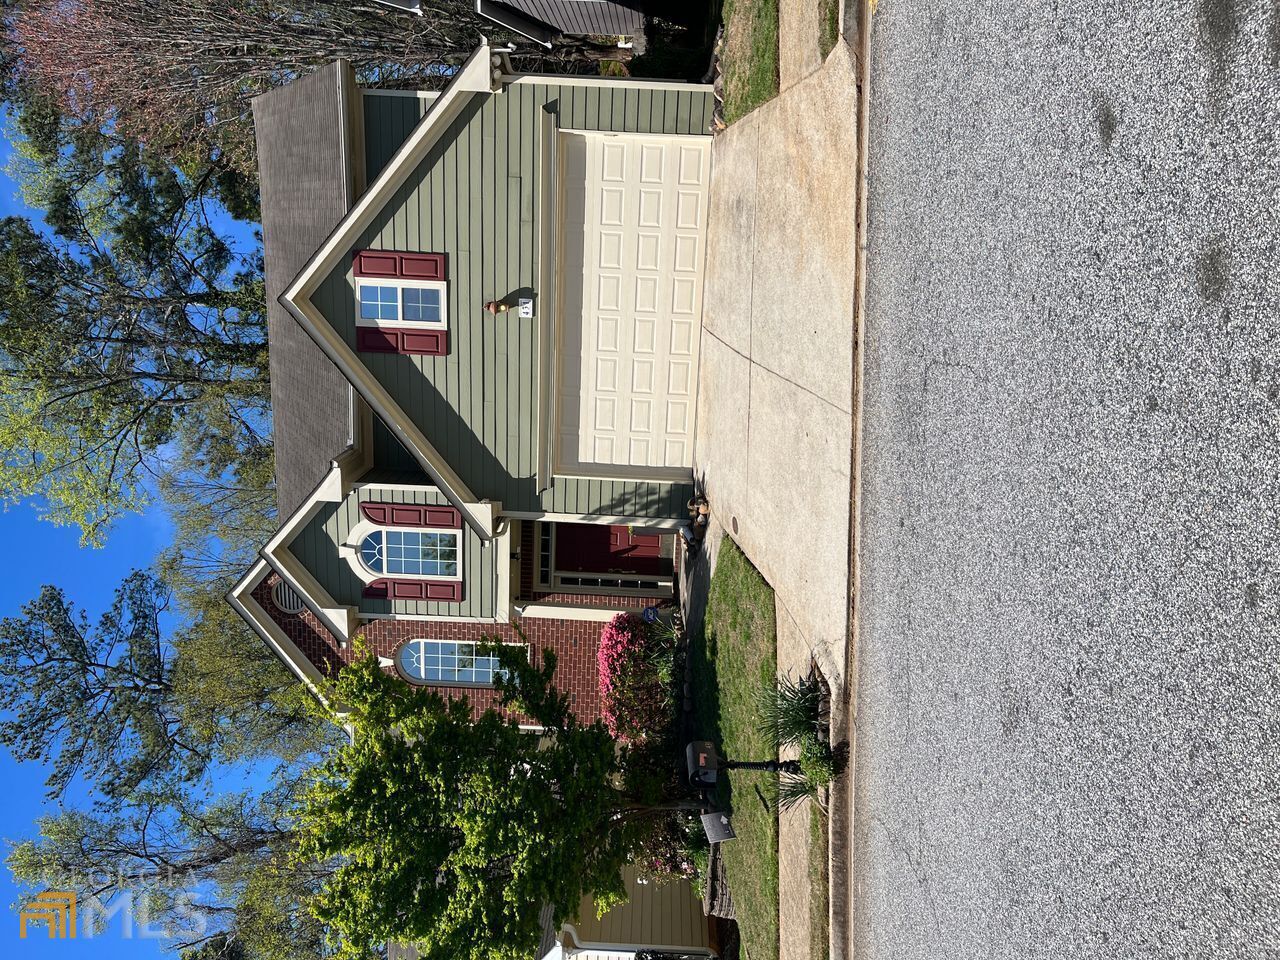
(241, 599)
(570, 611)
(420, 94)
(630, 83)
(657, 524)
(427, 618)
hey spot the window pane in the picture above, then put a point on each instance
(447, 661)
(421, 553)
(379, 303)
(371, 552)
(422, 305)
(411, 660)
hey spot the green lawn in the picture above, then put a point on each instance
(828, 25)
(736, 657)
(819, 885)
(749, 56)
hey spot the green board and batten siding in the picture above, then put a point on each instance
(316, 548)
(475, 198)
(389, 118)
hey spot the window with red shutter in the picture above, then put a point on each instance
(415, 552)
(402, 302)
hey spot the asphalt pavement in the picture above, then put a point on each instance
(1069, 688)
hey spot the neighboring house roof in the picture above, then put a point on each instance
(542, 20)
(308, 172)
(516, 22)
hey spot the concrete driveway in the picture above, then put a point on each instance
(775, 397)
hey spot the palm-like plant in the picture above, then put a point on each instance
(789, 711)
(819, 766)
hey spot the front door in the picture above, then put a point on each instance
(597, 548)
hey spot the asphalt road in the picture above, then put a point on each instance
(1069, 716)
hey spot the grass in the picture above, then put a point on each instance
(819, 885)
(828, 25)
(735, 657)
(750, 55)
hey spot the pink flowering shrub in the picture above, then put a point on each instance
(635, 700)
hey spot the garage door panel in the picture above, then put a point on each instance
(635, 222)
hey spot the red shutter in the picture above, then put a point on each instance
(422, 266)
(387, 588)
(376, 263)
(377, 340)
(429, 343)
(392, 263)
(407, 515)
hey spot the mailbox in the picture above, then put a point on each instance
(702, 761)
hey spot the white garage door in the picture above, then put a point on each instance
(634, 226)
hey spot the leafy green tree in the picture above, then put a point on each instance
(451, 833)
(131, 331)
(220, 947)
(135, 700)
(150, 715)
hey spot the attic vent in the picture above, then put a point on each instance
(286, 598)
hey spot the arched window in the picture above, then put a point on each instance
(446, 662)
(397, 552)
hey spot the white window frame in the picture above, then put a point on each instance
(350, 551)
(401, 285)
(420, 682)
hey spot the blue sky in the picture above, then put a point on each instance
(50, 554)
(41, 553)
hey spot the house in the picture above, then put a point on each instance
(659, 921)
(484, 315)
(543, 20)
(485, 310)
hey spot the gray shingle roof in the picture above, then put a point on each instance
(305, 134)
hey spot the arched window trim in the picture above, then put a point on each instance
(450, 682)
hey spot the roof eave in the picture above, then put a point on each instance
(517, 22)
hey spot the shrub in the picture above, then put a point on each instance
(789, 710)
(668, 849)
(819, 766)
(635, 698)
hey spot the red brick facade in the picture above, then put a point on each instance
(574, 641)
